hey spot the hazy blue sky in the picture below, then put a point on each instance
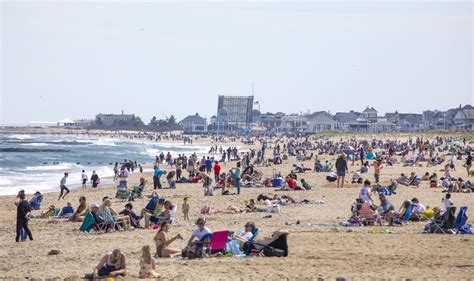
(77, 59)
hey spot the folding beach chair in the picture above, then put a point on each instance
(408, 212)
(218, 241)
(122, 191)
(461, 219)
(444, 223)
(366, 215)
(87, 223)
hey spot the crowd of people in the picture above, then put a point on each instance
(375, 157)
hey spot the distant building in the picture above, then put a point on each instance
(66, 123)
(234, 110)
(344, 119)
(406, 122)
(370, 114)
(464, 118)
(111, 119)
(194, 124)
(271, 120)
(83, 123)
(293, 123)
(320, 121)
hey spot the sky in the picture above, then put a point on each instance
(75, 59)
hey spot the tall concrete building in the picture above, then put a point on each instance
(235, 110)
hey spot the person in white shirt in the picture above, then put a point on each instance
(364, 193)
(447, 201)
(247, 234)
(418, 208)
(200, 232)
(84, 179)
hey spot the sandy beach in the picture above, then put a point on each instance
(318, 248)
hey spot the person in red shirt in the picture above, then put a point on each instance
(217, 171)
(291, 183)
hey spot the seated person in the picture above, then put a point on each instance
(403, 180)
(365, 168)
(165, 215)
(386, 210)
(305, 184)
(66, 212)
(426, 177)
(163, 241)
(356, 178)
(199, 233)
(134, 218)
(111, 216)
(48, 213)
(327, 167)
(418, 208)
(291, 182)
(247, 234)
(318, 167)
(414, 180)
(433, 180)
(79, 214)
(111, 265)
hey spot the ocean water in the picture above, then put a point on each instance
(25, 167)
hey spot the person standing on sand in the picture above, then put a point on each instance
(84, 179)
(237, 175)
(377, 168)
(341, 167)
(23, 210)
(63, 186)
(94, 179)
(468, 163)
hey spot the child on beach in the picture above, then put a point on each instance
(147, 264)
(447, 201)
(377, 167)
(185, 209)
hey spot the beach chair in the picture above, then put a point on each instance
(218, 241)
(122, 192)
(366, 215)
(408, 212)
(461, 219)
(100, 225)
(87, 223)
(35, 202)
(445, 223)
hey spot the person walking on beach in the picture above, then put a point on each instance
(22, 213)
(341, 167)
(94, 179)
(84, 179)
(63, 186)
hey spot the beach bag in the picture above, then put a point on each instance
(331, 178)
(189, 253)
(269, 251)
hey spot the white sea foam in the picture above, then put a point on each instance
(4, 182)
(20, 137)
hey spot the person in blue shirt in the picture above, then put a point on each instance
(156, 177)
(237, 175)
(208, 165)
